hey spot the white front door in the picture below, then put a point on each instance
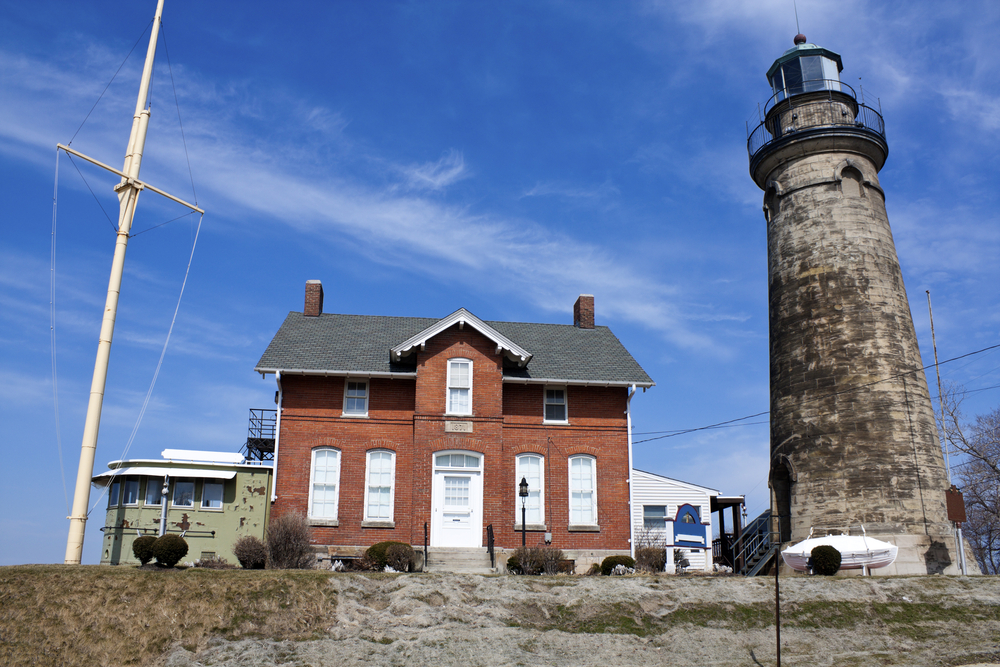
(457, 500)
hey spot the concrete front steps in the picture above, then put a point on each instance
(453, 559)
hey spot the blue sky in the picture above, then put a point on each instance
(418, 157)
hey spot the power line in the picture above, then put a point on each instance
(818, 398)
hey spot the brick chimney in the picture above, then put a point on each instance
(583, 312)
(314, 298)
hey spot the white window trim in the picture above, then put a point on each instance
(356, 415)
(222, 501)
(173, 492)
(315, 520)
(464, 452)
(541, 495)
(115, 493)
(565, 404)
(447, 389)
(378, 522)
(593, 497)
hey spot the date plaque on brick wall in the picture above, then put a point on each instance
(457, 427)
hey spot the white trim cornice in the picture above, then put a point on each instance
(461, 317)
(578, 383)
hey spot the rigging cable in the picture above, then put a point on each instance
(73, 162)
(109, 83)
(149, 393)
(177, 104)
(52, 332)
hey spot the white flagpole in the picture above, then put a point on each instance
(128, 193)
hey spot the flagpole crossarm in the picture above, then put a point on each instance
(135, 182)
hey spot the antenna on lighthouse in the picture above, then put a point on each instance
(128, 193)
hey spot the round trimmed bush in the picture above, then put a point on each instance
(399, 556)
(142, 548)
(608, 564)
(251, 552)
(825, 560)
(169, 549)
(377, 555)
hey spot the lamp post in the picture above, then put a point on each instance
(523, 486)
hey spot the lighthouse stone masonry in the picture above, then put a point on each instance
(853, 439)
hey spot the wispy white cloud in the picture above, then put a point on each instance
(605, 190)
(387, 226)
(436, 175)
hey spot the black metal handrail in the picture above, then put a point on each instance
(810, 86)
(770, 130)
(425, 545)
(489, 545)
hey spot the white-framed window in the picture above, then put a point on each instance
(459, 460)
(530, 467)
(114, 493)
(583, 491)
(211, 495)
(154, 491)
(459, 387)
(380, 474)
(324, 485)
(183, 493)
(654, 517)
(356, 398)
(555, 405)
(130, 491)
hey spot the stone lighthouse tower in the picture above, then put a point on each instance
(853, 439)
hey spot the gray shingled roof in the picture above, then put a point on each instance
(360, 344)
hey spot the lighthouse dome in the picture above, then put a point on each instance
(804, 68)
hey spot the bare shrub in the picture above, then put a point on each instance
(650, 559)
(288, 545)
(215, 563)
(650, 551)
(251, 552)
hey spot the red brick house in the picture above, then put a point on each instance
(386, 424)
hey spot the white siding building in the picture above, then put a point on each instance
(675, 514)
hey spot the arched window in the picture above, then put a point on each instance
(583, 491)
(379, 491)
(530, 467)
(324, 488)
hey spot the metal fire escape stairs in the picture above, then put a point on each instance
(759, 544)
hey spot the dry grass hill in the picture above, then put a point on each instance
(93, 615)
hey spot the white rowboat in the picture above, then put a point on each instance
(856, 552)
